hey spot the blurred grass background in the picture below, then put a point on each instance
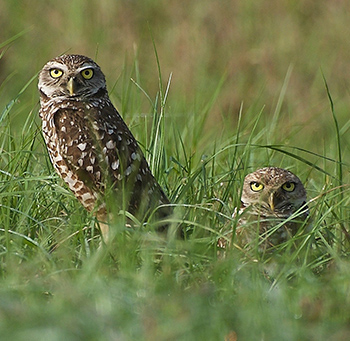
(246, 91)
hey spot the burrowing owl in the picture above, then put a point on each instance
(273, 207)
(89, 144)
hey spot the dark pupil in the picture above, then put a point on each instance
(87, 73)
(288, 185)
(55, 72)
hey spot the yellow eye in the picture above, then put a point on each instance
(289, 186)
(56, 73)
(87, 73)
(256, 186)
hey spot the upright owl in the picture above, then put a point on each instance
(90, 145)
(270, 196)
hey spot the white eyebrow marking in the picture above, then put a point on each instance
(86, 66)
(58, 65)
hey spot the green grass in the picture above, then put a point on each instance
(259, 90)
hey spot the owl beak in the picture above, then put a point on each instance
(271, 202)
(70, 86)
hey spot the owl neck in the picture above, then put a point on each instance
(102, 92)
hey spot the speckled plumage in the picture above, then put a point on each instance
(89, 144)
(270, 195)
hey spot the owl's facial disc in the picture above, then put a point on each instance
(78, 82)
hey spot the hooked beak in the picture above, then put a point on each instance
(271, 202)
(70, 86)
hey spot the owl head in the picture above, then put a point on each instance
(71, 76)
(273, 192)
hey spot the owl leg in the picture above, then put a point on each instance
(103, 225)
(104, 228)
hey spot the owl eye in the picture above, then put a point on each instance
(56, 73)
(87, 73)
(289, 186)
(256, 186)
